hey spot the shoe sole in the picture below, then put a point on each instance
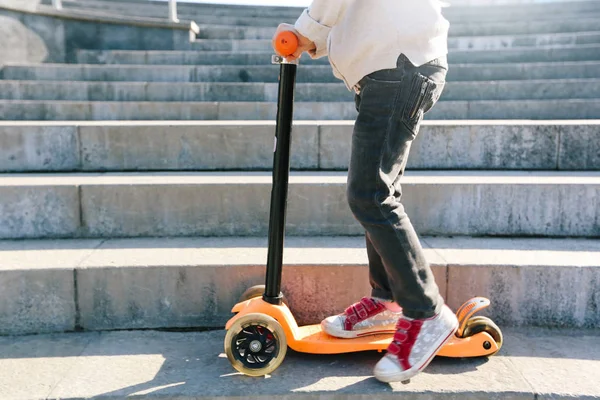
(356, 334)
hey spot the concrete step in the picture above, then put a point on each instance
(587, 52)
(125, 17)
(261, 92)
(560, 25)
(272, 21)
(214, 58)
(189, 9)
(270, 73)
(180, 204)
(151, 11)
(37, 110)
(234, 16)
(461, 43)
(45, 34)
(241, 10)
(533, 364)
(460, 16)
(526, 40)
(177, 146)
(580, 23)
(54, 286)
(491, 12)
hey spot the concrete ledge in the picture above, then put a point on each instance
(457, 42)
(525, 279)
(497, 9)
(36, 301)
(304, 92)
(68, 14)
(580, 23)
(186, 8)
(269, 73)
(573, 155)
(38, 110)
(182, 57)
(266, 16)
(587, 52)
(156, 10)
(55, 38)
(519, 41)
(194, 147)
(89, 72)
(259, 17)
(193, 282)
(180, 204)
(317, 145)
(41, 148)
(47, 210)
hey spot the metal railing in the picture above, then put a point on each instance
(57, 4)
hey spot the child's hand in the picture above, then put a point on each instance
(304, 43)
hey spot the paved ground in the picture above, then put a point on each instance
(534, 364)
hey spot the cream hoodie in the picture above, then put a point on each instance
(364, 36)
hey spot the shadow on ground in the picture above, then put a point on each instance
(119, 364)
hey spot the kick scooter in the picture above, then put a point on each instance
(259, 334)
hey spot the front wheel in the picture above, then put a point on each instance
(479, 324)
(255, 344)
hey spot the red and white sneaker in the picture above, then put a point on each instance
(367, 317)
(415, 343)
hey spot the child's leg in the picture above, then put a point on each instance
(378, 277)
(374, 315)
(380, 286)
(391, 106)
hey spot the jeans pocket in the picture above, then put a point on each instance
(423, 94)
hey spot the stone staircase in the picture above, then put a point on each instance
(536, 61)
(135, 185)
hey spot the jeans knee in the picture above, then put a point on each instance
(363, 203)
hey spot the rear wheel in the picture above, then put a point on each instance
(479, 324)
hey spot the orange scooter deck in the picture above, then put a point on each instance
(311, 339)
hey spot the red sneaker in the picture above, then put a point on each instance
(415, 343)
(367, 317)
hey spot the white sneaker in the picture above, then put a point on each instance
(415, 343)
(367, 317)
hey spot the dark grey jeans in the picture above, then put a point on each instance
(390, 108)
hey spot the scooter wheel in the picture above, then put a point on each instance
(479, 324)
(256, 291)
(255, 344)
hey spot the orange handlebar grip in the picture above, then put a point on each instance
(286, 43)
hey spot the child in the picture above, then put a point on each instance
(392, 53)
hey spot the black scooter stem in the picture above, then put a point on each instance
(281, 173)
